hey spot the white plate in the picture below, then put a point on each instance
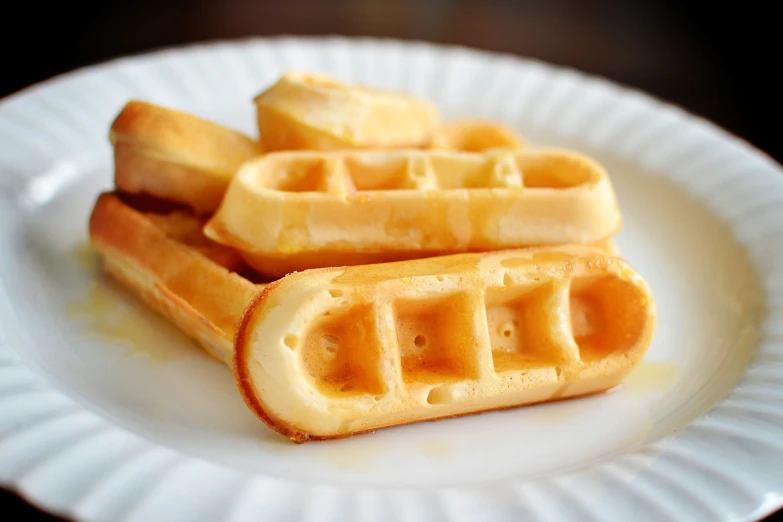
(101, 428)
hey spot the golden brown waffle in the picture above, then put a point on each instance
(334, 352)
(319, 112)
(296, 210)
(176, 156)
(476, 136)
(165, 261)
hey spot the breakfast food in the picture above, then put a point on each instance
(309, 209)
(423, 271)
(319, 112)
(476, 136)
(333, 352)
(162, 257)
(176, 156)
(338, 351)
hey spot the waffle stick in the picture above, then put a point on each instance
(291, 211)
(333, 352)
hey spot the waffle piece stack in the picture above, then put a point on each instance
(363, 265)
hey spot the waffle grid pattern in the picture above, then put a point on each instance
(468, 334)
(341, 175)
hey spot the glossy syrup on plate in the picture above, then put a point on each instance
(107, 313)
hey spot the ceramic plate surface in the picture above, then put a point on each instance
(109, 413)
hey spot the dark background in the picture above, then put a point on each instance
(719, 61)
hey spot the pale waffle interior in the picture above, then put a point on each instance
(444, 336)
